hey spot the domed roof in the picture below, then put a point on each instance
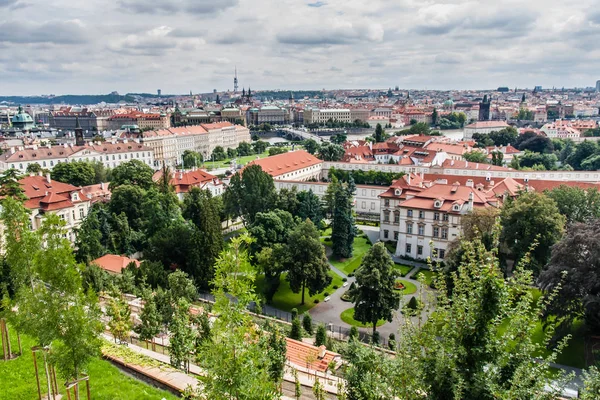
(449, 102)
(22, 117)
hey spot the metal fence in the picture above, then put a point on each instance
(335, 331)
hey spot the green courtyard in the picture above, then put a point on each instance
(349, 265)
(348, 317)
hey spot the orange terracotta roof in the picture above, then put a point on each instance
(286, 162)
(114, 263)
(307, 356)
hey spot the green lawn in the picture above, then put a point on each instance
(391, 247)
(348, 317)
(348, 266)
(107, 382)
(403, 270)
(285, 299)
(326, 232)
(426, 273)
(409, 287)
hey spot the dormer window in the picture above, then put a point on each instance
(398, 192)
(456, 207)
(437, 204)
(74, 197)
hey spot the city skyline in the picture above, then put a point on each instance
(179, 46)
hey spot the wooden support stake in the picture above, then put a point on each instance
(37, 376)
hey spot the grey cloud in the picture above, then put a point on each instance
(174, 6)
(449, 58)
(317, 4)
(6, 3)
(58, 32)
(334, 34)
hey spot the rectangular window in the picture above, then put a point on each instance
(386, 216)
(395, 235)
(442, 253)
(409, 213)
(386, 234)
(409, 228)
(386, 202)
(444, 233)
(81, 213)
(73, 213)
(419, 250)
(421, 214)
(408, 248)
(397, 217)
(421, 230)
(436, 216)
(445, 217)
(436, 231)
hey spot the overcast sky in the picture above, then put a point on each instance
(97, 46)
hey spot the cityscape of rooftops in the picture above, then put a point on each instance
(299, 199)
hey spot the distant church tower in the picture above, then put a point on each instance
(79, 141)
(235, 82)
(484, 108)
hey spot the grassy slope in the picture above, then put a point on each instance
(285, 299)
(403, 270)
(107, 382)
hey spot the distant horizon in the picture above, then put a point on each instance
(163, 94)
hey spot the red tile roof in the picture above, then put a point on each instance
(184, 181)
(286, 162)
(114, 263)
(308, 356)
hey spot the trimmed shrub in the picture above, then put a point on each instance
(321, 335)
(325, 294)
(296, 331)
(335, 286)
(294, 313)
(316, 301)
(344, 279)
(392, 341)
(307, 323)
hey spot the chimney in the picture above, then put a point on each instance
(48, 178)
(422, 175)
(180, 175)
(322, 350)
(12, 150)
(466, 164)
(40, 173)
(409, 178)
(102, 185)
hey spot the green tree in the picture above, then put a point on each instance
(133, 172)
(331, 152)
(129, 200)
(576, 204)
(119, 314)
(379, 134)
(182, 337)
(218, 154)
(297, 385)
(191, 159)
(532, 217)
(200, 208)
(275, 346)
(577, 255)
(296, 329)
(244, 149)
(343, 230)
(10, 186)
(151, 322)
(475, 156)
(89, 238)
(311, 146)
(434, 117)
(591, 384)
(306, 261)
(260, 146)
(339, 138)
(310, 207)
(497, 158)
(33, 168)
(287, 200)
(420, 128)
(321, 335)
(307, 323)
(182, 287)
(374, 295)
(76, 173)
(582, 151)
(250, 192)
(235, 362)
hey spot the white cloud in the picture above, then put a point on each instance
(178, 45)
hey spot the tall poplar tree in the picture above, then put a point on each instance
(343, 230)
